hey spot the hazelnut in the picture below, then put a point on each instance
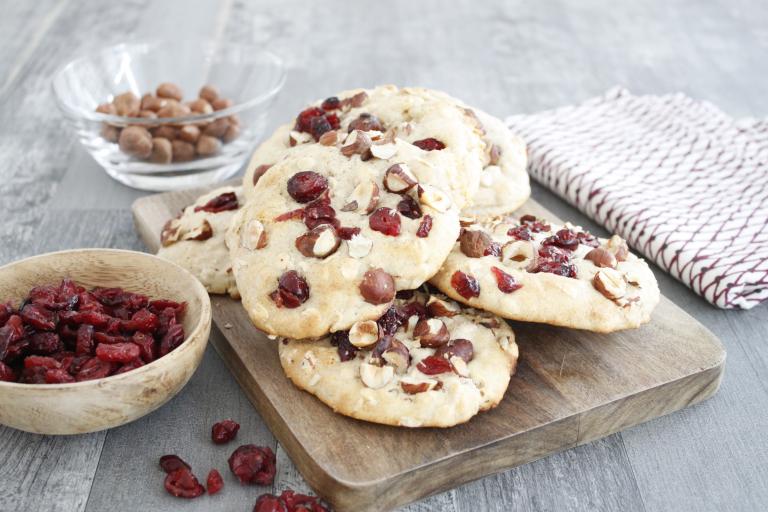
(259, 172)
(618, 246)
(153, 103)
(355, 101)
(376, 377)
(169, 90)
(217, 128)
(166, 132)
(610, 283)
(202, 231)
(398, 356)
(208, 145)
(440, 307)
(162, 151)
(253, 236)
(399, 179)
(148, 114)
(366, 122)
(459, 347)
(200, 106)
(601, 258)
(434, 198)
(233, 132)
(329, 138)
(221, 103)
(107, 108)
(295, 138)
(475, 243)
(170, 232)
(364, 198)
(182, 151)
(127, 104)
(518, 253)
(459, 366)
(135, 141)
(109, 132)
(364, 333)
(414, 385)
(209, 93)
(319, 242)
(174, 109)
(358, 246)
(431, 332)
(377, 287)
(357, 143)
(189, 133)
(384, 151)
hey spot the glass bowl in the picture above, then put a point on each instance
(245, 74)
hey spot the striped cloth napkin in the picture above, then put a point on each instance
(684, 183)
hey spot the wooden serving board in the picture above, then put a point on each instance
(571, 387)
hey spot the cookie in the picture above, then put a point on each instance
(427, 124)
(540, 272)
(428, 362)
(195, 239)
(327, 239)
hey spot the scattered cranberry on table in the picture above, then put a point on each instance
(63, 333)
(253, 464)
(289, 501)
(224, 431)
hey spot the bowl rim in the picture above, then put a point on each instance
(205, 318)
(91, 115)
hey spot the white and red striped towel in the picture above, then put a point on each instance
(684, 183)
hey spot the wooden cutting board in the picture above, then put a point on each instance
(571, 387)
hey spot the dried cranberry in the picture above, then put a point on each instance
(156, 306)
(170, 463)
(94, 318)
(6, 310)
(587, 238)
(129, 366)
(301, 502)
(346, 350)
(58, 376)
(304, 120)
(318, 126)
(214, 483)
(84, 344)
(269, 503)
(520, 233)
(41, 361)
(34, 375)
(333, 120)
(142, 320)
(565, 239)
(224, 431)
(406, 311)
(433, 365)
(385, 220)
(291, 215)
(429, 144)
(465, 284)
(94, 368)
(147, 346)
(331, 103)
(103, 337)
(408, 207)
(171, 339)
(117, 353)
(556, 267)
(39, 317)
(306, 186)
(390, 321)
(504, 281)
(220, 203)
(549, 252)
(292, 290)
(45, 343)
(346, 233)
(6, 373)
(424, 227)
(10, 333)
(366, 122)
(317, 214)
(535, 225)
(253, 464)
(183, 484)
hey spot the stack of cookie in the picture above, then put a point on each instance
(345, 215)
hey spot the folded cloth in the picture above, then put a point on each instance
(683, 182)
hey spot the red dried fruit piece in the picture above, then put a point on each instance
(10, 333)
(45, 343)
(94, 318)
(183, 484)
(304, 119)
(406, 311)
(6, 373)
(433, 365)
(58, 376)
(129, 366)
(142, 320)
(147, 346)
(34, 375)
(552, 253)
(170, 463)
(269, 503)
(292, 290)
(253, 464)
(221, 203)
(41, 361)
(306, 186)
(6, 310)
(173, 337)
(520, 233)
(333, 119)
(465, 284)
(424, 227)
(301, 502)
(318, 126)
(390, 321)
(346, 233)
(93, 368)
(556, 267)
(429, 144)
(102, 337)
(16, 350)
(504, 281)
(317, 214)
(587, 238)
(565, 239)
(408, 207)
(39, 317)
(214, 483)
(346, 350)
(84, 344)
(156, 306)
(535, 225)
(118, 353)
(385, 220)
(331, 103)
(224, 431)
(77, 363)
(296, 214)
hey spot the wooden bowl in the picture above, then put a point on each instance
(93, 405)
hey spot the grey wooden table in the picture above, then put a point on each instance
(504, 57)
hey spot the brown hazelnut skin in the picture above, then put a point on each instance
(153, 103)
(107, 108)
(221, 103)
(601, 257)
(127, 104)
(162, 151)
(365, 122)
(207, 145)
(200, 106)
(398, 356)
(209, 93)
(189, 133)
(474, 243)
(306, 243)
(259, 172)
(233, 132)
(217, 128)
(182, 151)
(377, 287)
(109, 132)
(174, 109)
(166, 132)
(426, 335)
(459, 347)
(169, 90)
(135, 141)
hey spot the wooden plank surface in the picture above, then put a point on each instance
(571, 387)
(504, 56)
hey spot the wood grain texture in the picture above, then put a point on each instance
(503, 56)
(571, 387)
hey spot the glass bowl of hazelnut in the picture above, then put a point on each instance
(169, 115)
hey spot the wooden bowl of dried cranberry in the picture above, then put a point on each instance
(94, 338)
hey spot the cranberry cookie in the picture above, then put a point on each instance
(417, 123)
(195, 239)
(328, 238)
(427, 362)
(539, 272)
